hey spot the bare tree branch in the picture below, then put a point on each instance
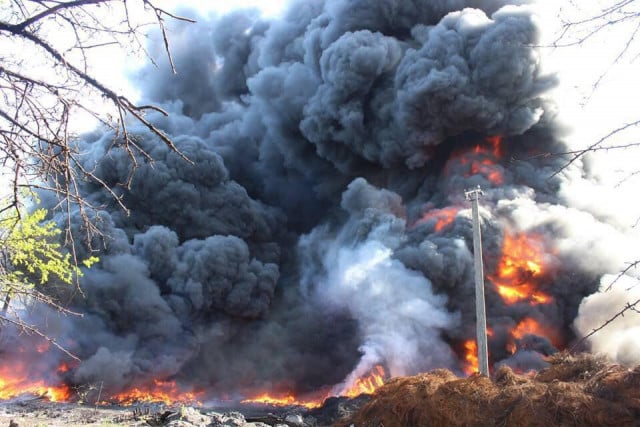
(621, 274)
(595, 146)
(622, 18)
(36, 331)
(54, 9)
(629, 306)
(36, 141)
(159, 16)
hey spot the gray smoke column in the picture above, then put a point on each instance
(322, 229)
(400, 319)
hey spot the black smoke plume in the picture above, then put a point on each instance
(303, 246)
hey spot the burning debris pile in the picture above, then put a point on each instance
(321, 234)
(583, 390)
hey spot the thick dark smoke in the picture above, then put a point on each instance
(302, 246)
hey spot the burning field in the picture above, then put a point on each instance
(320, 243)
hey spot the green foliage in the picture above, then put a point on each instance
(32, 253)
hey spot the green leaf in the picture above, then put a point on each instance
(33, 254)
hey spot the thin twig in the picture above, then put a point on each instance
(621, 274)
(34, 330)
(595, 145)
(628, 306)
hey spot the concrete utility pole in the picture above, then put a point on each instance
(481, 317)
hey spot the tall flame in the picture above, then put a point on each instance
(470, 348)
(470, 357)
(520, 265)
(367, 384)
(496, 142)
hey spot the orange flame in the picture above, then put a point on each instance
(367, 384)
(443, 217)
(482, 160)
(470, 357)
(487, 168)
(530, 326)
(42, 348)
(521, 263)
(496, 143)
(283, 400)
(63, 368)
(471, 364)
(14, 381)
(167, 392)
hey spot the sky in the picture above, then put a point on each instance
(592, 113)
(114, 66)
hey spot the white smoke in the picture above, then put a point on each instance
(399, 316)
(597, 95)
(620, 339)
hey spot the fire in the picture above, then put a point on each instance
(521, 263)
(526, 327)
(16, 378)
(482, 160)
(367, 384)
(470, 357)
(471, 365)
(443, 217)
(487, 168)
(496, 143)
(14, 381)
(283, 400)
(63, 368)
(43, 347)
(167, 392)
(530, 326)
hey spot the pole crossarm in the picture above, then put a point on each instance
(474, 194)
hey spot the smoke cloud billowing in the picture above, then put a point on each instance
(322, 227)
(619, 340)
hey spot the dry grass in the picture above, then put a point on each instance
(582, 390)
